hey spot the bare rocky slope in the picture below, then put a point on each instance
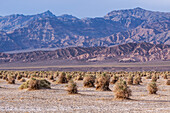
(45, 30)
(131, 52)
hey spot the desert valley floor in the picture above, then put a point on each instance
(56, 99)
(74, 65)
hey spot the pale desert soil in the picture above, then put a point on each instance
(88, 100)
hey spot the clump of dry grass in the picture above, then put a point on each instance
(121, 90)
(19, 77)
(50, 77)
(102, 83)
(72, 87)
(11, 80)
(62, 78)
(88, 81)
(165, 76)
(130, 80)
(140, 79)
(23, 80)
(1, 76)
(136, 80)
(69, 77)
(152, 87)
(79, 77)
(114, 79)
(4, 77)
(154, 78)
(148, 76)
(168, 82)
(34, 84)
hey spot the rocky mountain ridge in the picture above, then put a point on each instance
(45, 30)
(131, 52)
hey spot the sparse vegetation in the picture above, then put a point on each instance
(11, 79)
(154, 78)
(69, 77)
(79, 77)
(168, 82)
(114, 79)
(51, 77)
(19, 77)
(121, 90)
(67, 94)
(22, 80)
(38, 80)
(88, 81)
(152, 87)
(130, 80)
(34, 84)
(165, 76)
(148, 76)
(136, 80)
(62, 78)
(102, 83)
(72, 87)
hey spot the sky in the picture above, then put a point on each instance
(78, 8)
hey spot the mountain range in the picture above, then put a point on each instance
(46, 30)
(131, 52)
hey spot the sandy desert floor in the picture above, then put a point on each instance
(67, 65)
(88, 100)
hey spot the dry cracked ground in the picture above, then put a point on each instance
(88, 100)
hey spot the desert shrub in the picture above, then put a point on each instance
(168, 82)
(43, 83)
(50, 77)
(114, 79)
(88, 81)
(22, 80)
(55, 75)
(121, 90)
(69, 77)
(140, 79)
(136, 80)
(152, 88)
(165, 76)
(154, 78)
(11, 79)
(34, 84)
(33, 76)
(62, 78)
(102, 83)
(130, 80)
(19, 77)
(148, 76)
(4, 77)
(1, 76)
(28, 76)
(79, 77)
(72, 87)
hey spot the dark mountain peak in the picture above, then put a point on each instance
(47, 13)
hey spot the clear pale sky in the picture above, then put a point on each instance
(79, 8)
